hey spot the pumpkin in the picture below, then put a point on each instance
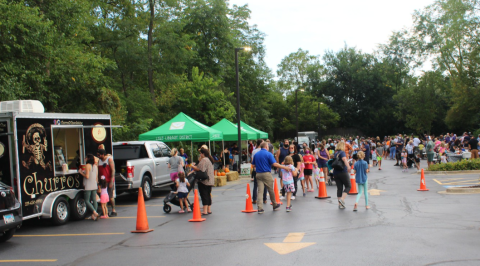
(223, 173)
(227, 170)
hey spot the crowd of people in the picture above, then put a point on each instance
(357, 154)
(293, 162)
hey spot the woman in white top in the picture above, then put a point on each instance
(90, 182)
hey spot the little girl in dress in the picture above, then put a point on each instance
(104, 199)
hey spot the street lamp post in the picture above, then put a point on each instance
(239, 144)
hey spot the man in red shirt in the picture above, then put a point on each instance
(309, 161)
(106, 167)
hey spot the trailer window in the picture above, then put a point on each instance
(67, 145)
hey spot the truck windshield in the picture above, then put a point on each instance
(129, 152)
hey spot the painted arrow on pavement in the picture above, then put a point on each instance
(290, 244)
(375, 192)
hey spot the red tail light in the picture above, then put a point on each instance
(130, 170)
(12, 191)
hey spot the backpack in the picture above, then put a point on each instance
(338, 164)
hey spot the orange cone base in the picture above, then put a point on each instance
(142, 231)
(246, 211)
(197, 220)
(425, 189)
(327, 197)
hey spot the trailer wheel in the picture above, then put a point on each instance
(7, 235)
(61, 211)
(78, 207)
(147, 188)
(167, 208)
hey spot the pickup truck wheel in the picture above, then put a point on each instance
(61, 211)
(147, 188)
(78, 207)
(7, 235)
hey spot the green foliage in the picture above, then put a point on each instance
(201, 95)
(420, 116)
(472, 164)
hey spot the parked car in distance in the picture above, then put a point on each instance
(10, 212)
(141, 164)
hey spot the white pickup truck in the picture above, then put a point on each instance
(141, 163)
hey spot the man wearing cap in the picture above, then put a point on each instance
(263, 162)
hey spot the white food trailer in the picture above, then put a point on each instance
(40, 154)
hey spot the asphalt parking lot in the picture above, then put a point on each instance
(403, 227)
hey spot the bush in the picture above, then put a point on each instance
(473, 164)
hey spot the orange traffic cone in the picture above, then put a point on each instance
(322, 189)
(142, 221)
(423, 186)
(275, 190)
(353, 190)
(197, 216)
(248, 204)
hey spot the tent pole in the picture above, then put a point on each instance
(209, 148)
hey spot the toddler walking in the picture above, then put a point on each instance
(182, 191)
(404, 160)
(361, 168)
(287, 178)
(104, 199)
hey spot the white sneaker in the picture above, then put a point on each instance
(282, 197)
(293, 197)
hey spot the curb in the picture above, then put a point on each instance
(460, 190)
(450, 172)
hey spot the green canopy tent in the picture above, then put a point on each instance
(183, 128)
(230, 131)
(260, 134)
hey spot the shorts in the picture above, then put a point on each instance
(111, 192)
(322, 164)
(379, 158)
(173, 176)
(430, 157)
(182, 195)
(307, 172)
(289, 187)
(301, 178)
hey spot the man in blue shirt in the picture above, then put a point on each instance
(263, 162)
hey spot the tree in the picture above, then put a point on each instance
(422, 105)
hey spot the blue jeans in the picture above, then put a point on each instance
(255, 188)
(392, 152)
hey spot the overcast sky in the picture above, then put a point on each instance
(319, 25)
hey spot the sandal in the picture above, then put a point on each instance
(342, 203)
(355, 207)
(367, 207)
(188, 210)
(210, 213)
(181, 211)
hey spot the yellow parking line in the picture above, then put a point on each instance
(437, 181)
(28, 260)
(132, 217)
(94, 234)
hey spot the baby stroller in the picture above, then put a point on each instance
(330, 172)
(173, 199)
(411, 161)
